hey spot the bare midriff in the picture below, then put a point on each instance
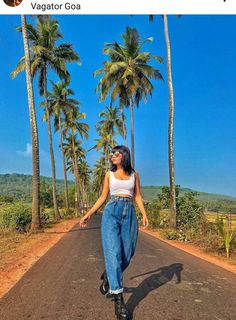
(122, 195)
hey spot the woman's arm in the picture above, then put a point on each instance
(98, 203)
(138, 199)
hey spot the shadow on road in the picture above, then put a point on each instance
(73, 230)
(158, 278)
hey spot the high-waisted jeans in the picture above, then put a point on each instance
(119, 232)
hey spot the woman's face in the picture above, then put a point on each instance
(116, 157)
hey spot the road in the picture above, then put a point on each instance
(162, 282)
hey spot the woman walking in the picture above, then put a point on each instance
(119, 225)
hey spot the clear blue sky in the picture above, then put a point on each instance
(204, 76)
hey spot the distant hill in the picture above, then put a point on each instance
(19, 186)
(151, 192)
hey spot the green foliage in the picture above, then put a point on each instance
(226, 233)
(153, 213)
(4, 198)
(71, 195)
(189, 212)
(46, 198)
(47, 217)
(181, 235)
(164, 196)
(15, 216)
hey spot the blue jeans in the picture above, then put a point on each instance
(119, 233)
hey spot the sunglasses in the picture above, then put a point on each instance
(114, 154)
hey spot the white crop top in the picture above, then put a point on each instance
(118, 186)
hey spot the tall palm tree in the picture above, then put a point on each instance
(74, 153)
(170, 125)
(112, 120)
(84, 175)
(73, 124)
(59, 106)
(105, 142)
(127, 73)
(98, 174)
(36, 223)
(47, 55)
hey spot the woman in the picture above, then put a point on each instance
(119, 226)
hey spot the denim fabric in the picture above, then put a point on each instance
(119, 233)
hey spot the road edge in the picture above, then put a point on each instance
(193, 250)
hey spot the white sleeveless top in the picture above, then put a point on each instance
(118, 186)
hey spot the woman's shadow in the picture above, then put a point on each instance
(158, 278)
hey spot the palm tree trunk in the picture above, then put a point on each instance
(64, 168)
(124, 129)
(36, 223)
(170, 128)
(76, 175)
(54, 190)
(132, 130)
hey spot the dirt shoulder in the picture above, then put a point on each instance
(20, 251)
(196, 251)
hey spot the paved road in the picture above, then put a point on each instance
(162, 282)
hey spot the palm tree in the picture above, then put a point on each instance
(47, 55)
(74, 153)
(105, 142)
(170, 125)
(73, 124)
(99, 172)
(36, 223)
(128, 73)
(84, 175)
(112, 120)
(59, 106)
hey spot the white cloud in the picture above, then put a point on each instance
(28, 152)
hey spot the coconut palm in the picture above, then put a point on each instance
(73, 124)
(84, 175)
(112, 119)
(105, 142)
(99, 172)
(74, 153)
(170, 125)
(46, 54)
(36, 224)
(127, 73)
(60, 106)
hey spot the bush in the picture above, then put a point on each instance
(16, 216)
(189, 212)
(47, 216)
(153, 213)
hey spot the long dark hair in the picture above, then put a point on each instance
(125, 161)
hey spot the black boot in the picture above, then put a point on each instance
(104, 287)
(120, 307)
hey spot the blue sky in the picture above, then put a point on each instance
(204, 76)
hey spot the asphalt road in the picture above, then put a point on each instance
(162, 282)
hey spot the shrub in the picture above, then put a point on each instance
(16, 216)
(153, 213)
(47, 216)
(171, 234)
(189, 212)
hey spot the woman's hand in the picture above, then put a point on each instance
(84, 220)
(145, 221)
